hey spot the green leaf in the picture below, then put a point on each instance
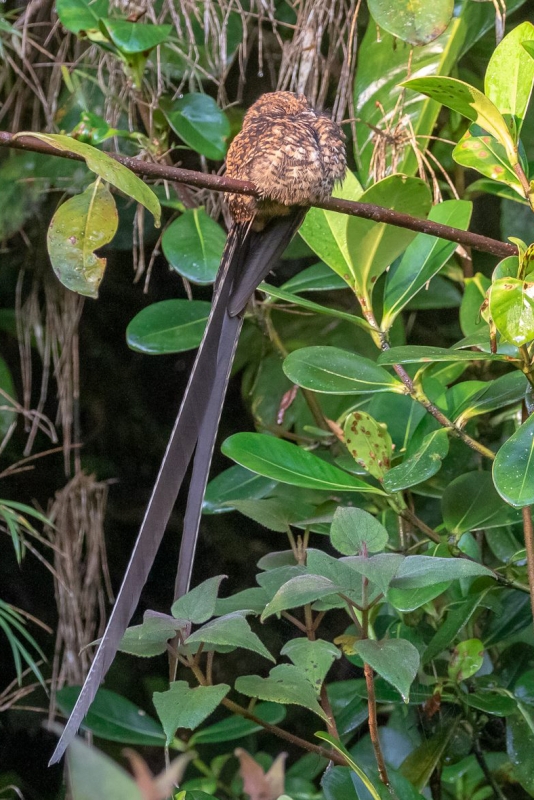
(80, 226)
(7, 416)
(488, 156)
(286, 684)
(183, 707)
(170, 326)
(317, 278)
(309, 305)
(413, 354)
(114, 718)
(107, 168)
(524, 688)
(456, 619)
(299, 591)
(420, 764)
(354, 531)
(235, 483)
(285, 462)
(152, 636)
(420, 466)
(200, 123)
(373, 246)
(469, 102)
(470, 503)
(193, 245)
(467, 658)
(396, 660)
(134, 37)
(335, 371)
(513, 468)
(312, 658)
(93, 775)
(340, 748)
(512, 309)
(519, 746)
(417, 572)
(198, 605)
(496, 394)
(379, 570)
(510, 77)
(424, 257)
(232, 728)
(254, 600)
(232, 630)
(81, 15)
(369, 443)
(491, 702)
(414, 21)
(326, 231)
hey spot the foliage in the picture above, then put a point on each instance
(390, 384)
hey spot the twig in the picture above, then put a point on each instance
(220, 183)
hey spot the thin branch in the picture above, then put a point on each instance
(220, 183)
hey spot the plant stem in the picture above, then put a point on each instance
(371, 704)
(528, 530)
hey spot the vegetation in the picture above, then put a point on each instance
(384, 637)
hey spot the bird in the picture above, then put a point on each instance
(294, 155)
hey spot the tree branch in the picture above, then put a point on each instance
(219, 183)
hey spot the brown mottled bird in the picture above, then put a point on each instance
(294, 155)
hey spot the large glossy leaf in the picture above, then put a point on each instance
(326, 231)
(286, 684)
(80, 226)
(512, 309)
(114, 718)
(373, 246)
(510, 76)
(421, 465)
(396, 660)
(424, 257)
(519, 745)
(335, 371)
(471, 503)
(235, 483)
(193, 245)
(134, 37)
(200, 123)
(495, 394)
(170, 326)
(413, 354)
(471, 103)
(414, 21)
(285, 462)
(513, 468)
(482, 152)
(108, 169)
(81, 15)
(317, 278)
(309, 305)
(183, 707)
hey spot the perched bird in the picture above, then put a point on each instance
(294, 155)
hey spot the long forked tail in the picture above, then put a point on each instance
(247, 259)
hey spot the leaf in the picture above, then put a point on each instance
(470, 503)
(396, 660)
(313, 658)
(114, 718)
(152, 636)
(286, 684)
(259, 784)
(309, 305)
(469, 102)
(413, 354)
(424, 257)
(340, 748)
(503, 391)
(297, 592)
(235, 483)
(134, 37)
(79, 16)
(519, 745)
(456, 619)
(420, 466)
(513, 468)
(233, 630)
(326, 231)
(354, 531)
(183, 707)
(512, 309)
(7, 416)
(379, 570)
(510, 76)
(235, 727)
(414, 21)
(93, 775)
(488, 156)
(80, 226)
(107, 168)
(335, 371)
(467, 659)
(373, 246)
(254, 600)
(193, 245)
(317, 278)
(420, 764)
(283, 461)
(200, 123)
(369, 443)
(198, 605)
(170, 326)
(417, 572)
